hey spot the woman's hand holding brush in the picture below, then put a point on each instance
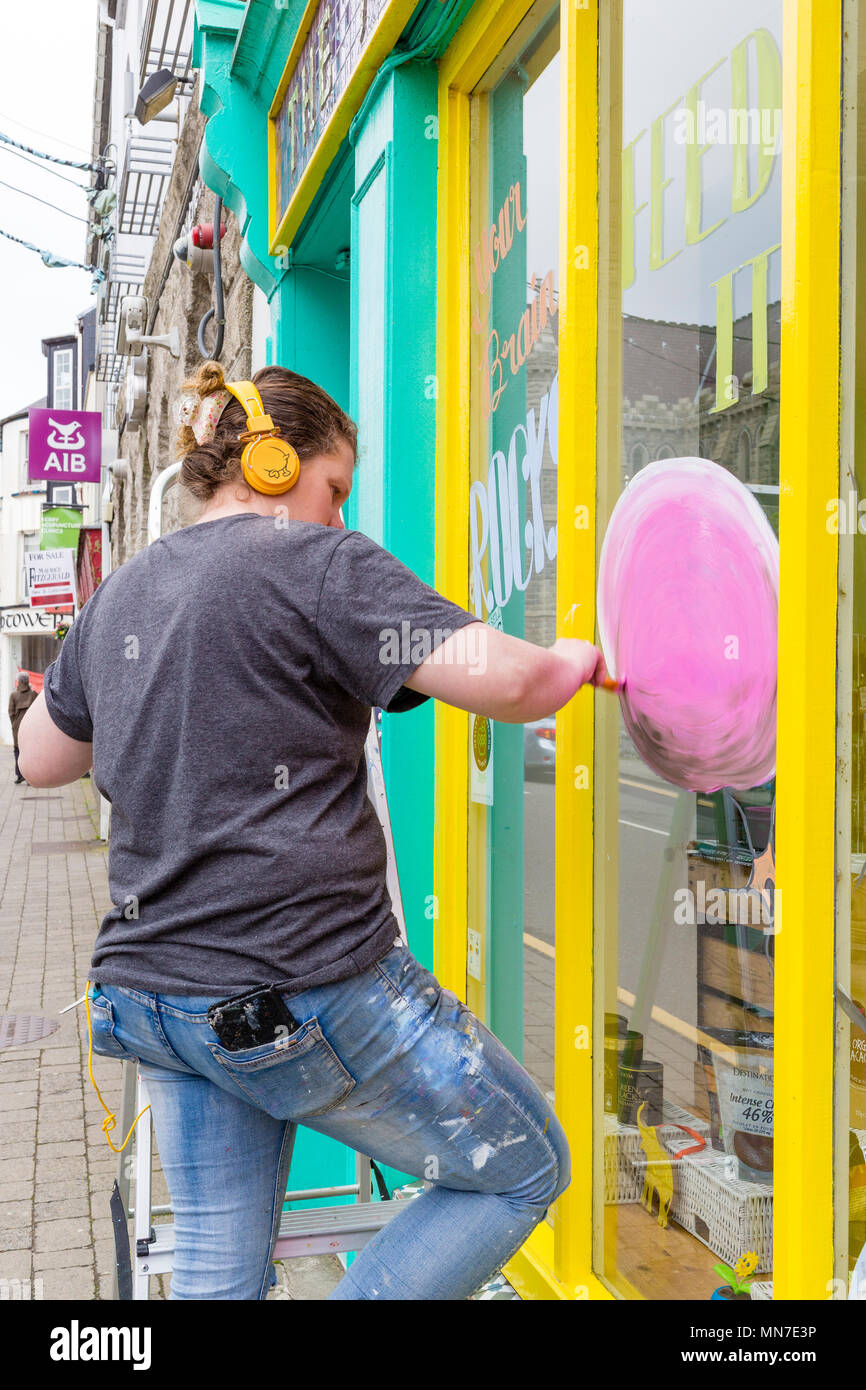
(589, 662)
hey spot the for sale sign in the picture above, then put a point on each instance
(65, 445)
(50, 576)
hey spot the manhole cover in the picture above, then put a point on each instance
(65, 846)
(18, 1029)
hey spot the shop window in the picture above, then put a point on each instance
(63, 383)
(30, 540)
(514, 299)
(23, 459)
(37, 653)
(686, 1112)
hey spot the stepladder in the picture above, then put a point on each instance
(335, 1229)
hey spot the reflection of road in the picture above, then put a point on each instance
(646, 811)
(645, 816)
(646, 805)
(538, 846)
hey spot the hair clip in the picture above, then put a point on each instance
(202, 413)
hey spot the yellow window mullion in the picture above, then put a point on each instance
(806, 764)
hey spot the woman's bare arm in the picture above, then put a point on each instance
(488, 672)
(47, 757)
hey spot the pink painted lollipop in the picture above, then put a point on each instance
(688, 593)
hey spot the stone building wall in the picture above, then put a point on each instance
(184, 300)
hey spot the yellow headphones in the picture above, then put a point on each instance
(269, 463)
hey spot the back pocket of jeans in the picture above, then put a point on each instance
(102, 1025)
(293, 1078)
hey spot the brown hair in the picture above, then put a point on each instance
(306, 415)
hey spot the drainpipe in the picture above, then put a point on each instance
(118, 468)
(157, 491)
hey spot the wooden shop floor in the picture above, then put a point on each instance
(660, 1262)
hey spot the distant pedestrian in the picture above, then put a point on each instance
(20, 700)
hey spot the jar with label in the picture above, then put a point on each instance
(621, 1045)
(641, 1082)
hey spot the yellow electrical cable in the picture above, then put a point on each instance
(110, 1120)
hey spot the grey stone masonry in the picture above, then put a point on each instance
(182, 302)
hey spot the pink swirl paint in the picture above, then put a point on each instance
(688, 593)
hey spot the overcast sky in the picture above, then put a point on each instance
(662, 58)
(47, 61)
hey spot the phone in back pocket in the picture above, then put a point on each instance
(248, 1020)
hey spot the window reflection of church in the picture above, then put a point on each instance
(668, 411)
(670, 395)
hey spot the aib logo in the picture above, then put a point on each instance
(70, 436)
(65, 443)
(63, 440)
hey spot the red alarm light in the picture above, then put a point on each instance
(202, 235)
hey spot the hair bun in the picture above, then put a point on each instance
(208, 378)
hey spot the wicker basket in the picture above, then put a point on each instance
(624, 1157)
(728, 1215)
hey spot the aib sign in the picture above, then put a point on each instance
(65, 445)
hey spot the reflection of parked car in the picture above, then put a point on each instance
(539, 749)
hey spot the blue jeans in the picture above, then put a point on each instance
(389, 1063)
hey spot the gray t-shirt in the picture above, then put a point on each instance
(225, 676)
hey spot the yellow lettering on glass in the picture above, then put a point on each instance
(629, 212)
(769, 109)
(694, 154)
(658, 184)
(759, 322)
(727, 392)
(726, 389)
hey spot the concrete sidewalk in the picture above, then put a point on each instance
(56, 1169)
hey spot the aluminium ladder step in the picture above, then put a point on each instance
(313, 1231)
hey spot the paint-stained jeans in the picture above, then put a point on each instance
(389, 1063)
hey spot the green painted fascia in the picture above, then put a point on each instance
(220, 14)
(214, 15)
(264, 42)
(427, 19)
(234, 152)
(241, 49)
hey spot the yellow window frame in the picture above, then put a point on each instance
(558, 1262)
(806, 759)
(555, 1262)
